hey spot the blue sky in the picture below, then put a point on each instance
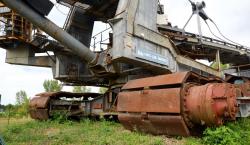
(231, 16)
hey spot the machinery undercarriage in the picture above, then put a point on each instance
(174, 104)
(155, 83)
(177, 104)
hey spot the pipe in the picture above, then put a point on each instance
(51, 29)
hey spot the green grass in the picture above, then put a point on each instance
(86, 132)
(235, 133)
(27, 131)
(16, 121)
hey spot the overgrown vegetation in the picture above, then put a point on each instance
(215, 65)
(81, 89)
(52, 86)
(20, 109)
(103, 90)
(22, 103)
(61, 131)
(237, 133)
(60, 117)
(86, 132)
(233, 133)
(222, 135)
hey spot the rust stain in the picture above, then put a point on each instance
(160, 100)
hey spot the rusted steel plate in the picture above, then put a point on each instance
(245, 88)
(169, 79)
(160, 101)
(39, 102)
(39, 114)
(155, 124)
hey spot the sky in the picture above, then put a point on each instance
(231, 16)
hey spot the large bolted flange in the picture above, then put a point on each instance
(211, 104)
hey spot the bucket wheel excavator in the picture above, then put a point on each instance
(155, 82)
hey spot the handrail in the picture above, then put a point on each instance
(100, 42)
(10, 28)
(101, 32)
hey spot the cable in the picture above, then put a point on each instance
(190, 1)
(224, 35)
(203, 15)
(213, 33)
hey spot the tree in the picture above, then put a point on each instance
(22, 102)
(81, 89)
(21, 97)
(103, 90)
(52, 86)
(10, 111)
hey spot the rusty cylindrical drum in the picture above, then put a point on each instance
(211, 104)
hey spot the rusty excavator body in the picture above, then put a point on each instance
(155, 83)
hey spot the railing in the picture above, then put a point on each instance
(205, 39)
(216, 41)
(13, 25)
(101, 39)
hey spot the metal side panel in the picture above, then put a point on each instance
(39, 102)
(169, 79)
(42, 6)
(157, 101)
(135, 37)
(244, 106)
(146, 14)
(80, 26)
(155, 124)
(40, 114)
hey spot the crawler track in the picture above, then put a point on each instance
(44, 105)
(176, 104)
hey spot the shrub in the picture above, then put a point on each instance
(60, 116)
(221, 136)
